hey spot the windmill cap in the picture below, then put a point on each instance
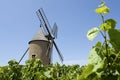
(39, 36)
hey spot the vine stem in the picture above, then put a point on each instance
(99, 27)
(105, 39)
(106, 46)
(102, 18)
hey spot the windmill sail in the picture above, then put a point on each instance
(44, 22)
(45, 18)
(52, 33)
(59, 53)
(55, 30)
(51, 52)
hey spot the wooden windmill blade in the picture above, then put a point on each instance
(51, 53)
(42, 22)
(59, 53)
(55, 30)
(48, 28)
(51, 37)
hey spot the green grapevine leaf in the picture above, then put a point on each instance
(102, 10)
(87, 71)
(108, 24)
(92, 33)
(94, 58)
(114, 36)
(93, 76)
(47, 74)
(98, 44)
(100, 66)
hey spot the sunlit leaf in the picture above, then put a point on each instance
(102, 10)
(94, 58)
(87, 71)
(108, 24)
(47, 73)
(92, 33)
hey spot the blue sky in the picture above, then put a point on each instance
(19, 23)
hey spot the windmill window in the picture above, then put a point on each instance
(33, 56)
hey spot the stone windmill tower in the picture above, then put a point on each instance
(39, 48)
(42, 43)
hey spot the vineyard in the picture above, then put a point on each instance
(103, 61)
(35, 70)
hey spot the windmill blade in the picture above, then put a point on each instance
(55, 30)
(44, 22)
(51, 57)
(59, 53)
(45, 19)
(50, 50)
(51, 53)
(42, 25)
(23, 55)
(47, 27)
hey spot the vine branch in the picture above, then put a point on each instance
(105, 39)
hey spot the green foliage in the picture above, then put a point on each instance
(35, 70)
(102, 10)
(108, 24)
(94, 57)
(4, 70)
(114, 36)
(92, 33)
(14, 70)
(11, 72)
(104, 58)
(88, 71)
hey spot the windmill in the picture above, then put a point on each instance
(42, 44)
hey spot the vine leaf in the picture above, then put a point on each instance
(87, 71)
(102, 10)
(47, 73)
(114, 36)
(108, 24)
(94, 57)
(92, 33)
